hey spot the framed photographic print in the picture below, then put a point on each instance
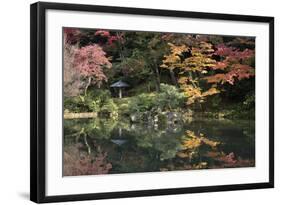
(129, 102)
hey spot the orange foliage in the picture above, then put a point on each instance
(200, 65)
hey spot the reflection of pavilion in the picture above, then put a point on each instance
(119, 141)
(119, 85)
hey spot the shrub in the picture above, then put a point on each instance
(75, 104)
(109, 106)
(170, 97)
(95, 101)
(249, 101)
(143, 102)
(124, 109)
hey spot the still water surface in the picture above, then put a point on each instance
(102, 146)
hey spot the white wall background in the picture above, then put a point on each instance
(14, 100)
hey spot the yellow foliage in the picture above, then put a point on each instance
(198, 61)
(183, 154)
(207, 48)
(193, 94)
(192, 143)
(201, 165)
(177, 50)
(183, 80)
(211, 143)
(191, 134)
(191, 68)
(211, 91)
(195, 141)
(173, 60)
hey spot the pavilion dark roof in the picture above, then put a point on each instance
(119, 84)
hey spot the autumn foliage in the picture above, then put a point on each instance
(83, 66)
(77, 162)
(199, 61)
(90, 61)
(234, 63)
(154, 98)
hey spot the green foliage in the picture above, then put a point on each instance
(242, 110)
(215, 101)
(109, 107)
(249, 101)
(162, 119)
(75, 104)
(98, 128)
(203, 73)
(174, 79)
(96, 100)
(143, 102)
(170, 97)
(123, 105)
(239, 112)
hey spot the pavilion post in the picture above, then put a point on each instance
(120, 92)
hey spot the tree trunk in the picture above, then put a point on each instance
(173, 78)
(86, 88)
(157, 78)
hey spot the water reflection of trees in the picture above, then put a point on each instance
(78, 162)
(199, 152)
(101, 146)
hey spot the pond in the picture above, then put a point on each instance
(102, 146)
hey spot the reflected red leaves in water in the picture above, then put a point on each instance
(76, 163)
(231, 161)
(228, 159)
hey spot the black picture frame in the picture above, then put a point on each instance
(38, 101)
